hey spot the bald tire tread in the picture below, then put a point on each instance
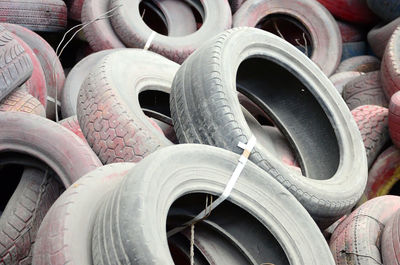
(43, 15)
(20, 100)
(391, 241)
(20, 221)
(372, 122)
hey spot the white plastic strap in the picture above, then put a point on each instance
(51, 99)
(228, 188)
(149, 40)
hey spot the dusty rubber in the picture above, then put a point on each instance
(215, 66)
(20, 100)
(72, 124)
(379, 36)
(365, 90)
(340, 80)
(278, 211)
(394, 119)
(321, 26)
(64, 234)
(350, 32)
(353, 49)
(390, 247)
(20, 221)
(372, 122)
(357, 239)
(387, 11)
(43, 139)
(109, 111)
(51, 65)
(43, 15)
(364, 64)
(390, 68)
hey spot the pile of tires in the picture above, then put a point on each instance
(199, 132)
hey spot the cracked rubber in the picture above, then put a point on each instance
(357, 240)
(205, 109)
(43, 15)
(390, 243)
(64, 236)
(390, 68)
(372, 122)
(109, 111)
(144, 240)
(20, 100)
(365, 90)
(364, 64)
(394, 119)
(72, 124)
(20, 221)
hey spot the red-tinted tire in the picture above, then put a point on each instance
(51, 65)
(350, 32)
(340, 80)
(390, 69)
(318, 23)
(75, 9)
(364, 64)
(72, 124)
(364, 90)
(379, 36)
(36, 84)
(355, 11)
(394, 119)
(20, 100)
(390, 243)
(356, 239)
(372, 121)
(64, 235)
(43, 15)
(63, 151)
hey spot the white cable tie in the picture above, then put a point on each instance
(149, 40)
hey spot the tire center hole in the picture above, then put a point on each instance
(153, 17)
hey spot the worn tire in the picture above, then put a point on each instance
(365, 90)
(390, 69)
(394, 119)
(317, 21)
(108, 109)
(132, 30)
(63, 151)
(364, 64)
(379, 36)
(390, 243)
(75, 9)
(64, 235)
(72, 124)
(218, 119)
(355, 11)
(51, 65)
(20, 221)
(340, 80)
(43, 15)
(387, 11)
(372, 122)
(20, 100)
(276, 209)
(350, 32)
(353, 49)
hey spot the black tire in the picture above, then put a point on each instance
(15, 65)
(20, 221)
(69, 221)
(43, 15)
(271, 204)
(215, 117)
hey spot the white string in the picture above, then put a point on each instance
(149, 40)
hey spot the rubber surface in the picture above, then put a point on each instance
(43, 15)
(350, 32)
(20, 100)
(276, 209)
(63, 151)
(387, 11)
(74, 9)
(317, 21)
(372, 122)
(352, 49)
(64, 235)
(340, 80)
(394, 118)
(365, 90)
(20, 221)
(357, 239)
(379, 36)
(364, 64)
(109, 110)
(390, 68)
(72, 124)
(390, 247)
(208, 77)
(132, 30)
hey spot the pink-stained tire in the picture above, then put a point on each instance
(379, 36)
(394, 119)
(364, 64)
(22, 101)
(339, 80)
(72, 124)
(350, 32)
(390, 68)
(390, 243)
(75, 9)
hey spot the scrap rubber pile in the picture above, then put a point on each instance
(200, 132)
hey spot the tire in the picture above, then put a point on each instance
(122, 133)
(353, 49)
(314, 18)
(51, 65)
(20, 100)
(355, 11)
(50, 142)
(364, 64)
(132, 30)
(44, 15)
(394, 119)
(64, 235)
(20, 221)
(75, 9)
(235, 5)
(390, 240)
(372, 122)
(276, 209)
(390, 68)
(387, 11)
(340, 80)
(379, 36)
(75, 79)
(218, 120)
(15, 64)
(357, 239)
(350, 32)
(365, 90)
(72, 124)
